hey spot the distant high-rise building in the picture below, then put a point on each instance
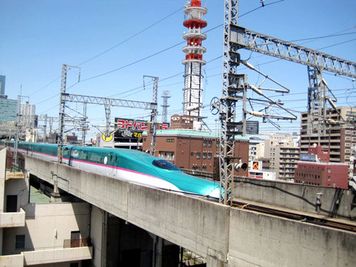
(338, 137)
(28, 115)
(8, 109)
(283, 153)
(2, 85)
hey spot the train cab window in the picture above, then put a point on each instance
(163, 164)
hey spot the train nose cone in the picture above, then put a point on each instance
(215, 193)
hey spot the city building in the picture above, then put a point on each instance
(32, 228)
(8, 107)
(2, 85)
(314, 168)
(283, 153)
(195, 151)
(254, 150)
(28, 116)
(338, 137)
(262, 174)
(285, 161)
(8, 110)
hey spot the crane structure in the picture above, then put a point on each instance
(235, 85)
(104, 101)
(193, 62)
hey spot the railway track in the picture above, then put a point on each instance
(297, 216)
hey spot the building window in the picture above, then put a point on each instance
(204, 155)
(210, 155)
(192, 154)
(198, 155)
(167, 155)
(20, 242)
(170, 140)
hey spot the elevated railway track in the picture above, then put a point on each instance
(317, 219)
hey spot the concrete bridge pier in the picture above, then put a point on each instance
(213, 262)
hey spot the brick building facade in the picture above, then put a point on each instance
(194, 151)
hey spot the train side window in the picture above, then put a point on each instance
(95, 157)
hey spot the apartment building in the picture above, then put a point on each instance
(338, 133)
(286, 160)
(36, 230)
(283, 153)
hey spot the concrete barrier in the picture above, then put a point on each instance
(198, 225)
(262, 240)
(225, 236)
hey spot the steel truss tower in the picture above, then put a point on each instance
(235, 85)
(233, 89)
(154, 111)
(105, 101)
(193, 62)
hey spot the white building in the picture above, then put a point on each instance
(37, 232)
(283, 152)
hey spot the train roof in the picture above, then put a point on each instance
(119, 151)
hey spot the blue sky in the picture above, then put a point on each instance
(38, 36)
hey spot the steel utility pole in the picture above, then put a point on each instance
(233, 89)
(154, 112)
(18, 128)
(62, 112)
(62, 105)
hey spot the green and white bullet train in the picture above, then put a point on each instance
(128, 165)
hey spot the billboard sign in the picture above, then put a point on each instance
(307, 157)
(136, 125)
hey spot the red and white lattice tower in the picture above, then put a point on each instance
(193, 62)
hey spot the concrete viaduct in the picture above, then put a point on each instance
(224, 235)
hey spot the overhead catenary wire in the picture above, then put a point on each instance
(152, 55)
(170, 47)
(113, 47)
(180, 72)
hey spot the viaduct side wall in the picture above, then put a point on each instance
(225, 235)
(262, 240)
(292, 196)
(198, 225)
